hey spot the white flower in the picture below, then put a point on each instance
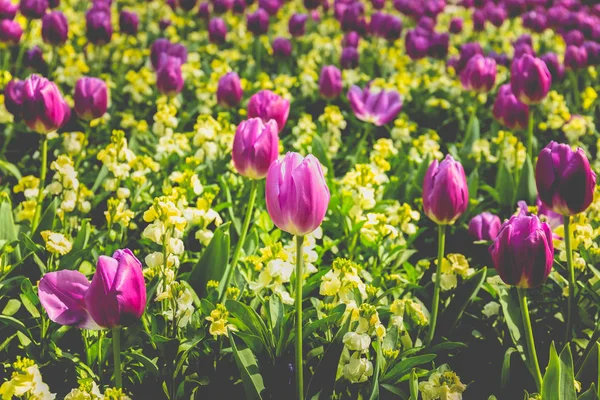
(357, 341)
(490, 309)
(280, 270)
(358, 369)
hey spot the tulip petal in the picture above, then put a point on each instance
(101, 303)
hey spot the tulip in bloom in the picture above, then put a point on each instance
(217, 30)
(91, 98)
(564, 178)
(266, 105)
(255, 147)
(349, 58)
(530, 79)
(161, 46)
(445, 191)
(98, 25)
(55, 28)
(13, 97)
(129, 22)
(229, 90)
(484, 226)
(479, 75)
(509, 111)
(258, 22)
(282, 47)
(467, 51)
(296, 193)
(34, 59)
(351, 39)
(330, 82)
(10, 31)
(33, 9)
(378, 108)
(416, 43)
(576, 57)
(523, 252)
(8, 9)
(557, 70)
(43, 105)
(296, 24)
(456, 25)
(115, 297)
(169, 79)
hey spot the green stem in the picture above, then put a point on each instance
(438, 277)
(575, 84)
(40, 196)
(100, 334)
(571, 272)
(530, 134)
(298, 304)
(22, 47)
(117, 356)
(230, 270)
(529, 337)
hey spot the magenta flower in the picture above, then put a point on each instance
(43, 105)
(378, 108)
(8, 10)
(484, 226)
(229, 90)
(266, 105)
(91, 98)
(445, 191)
(169, 79)
(10, 31)
(255, 147)
(330, 82)
(55, 28)
(530, 79)
(129, 22)
(508, 110)
(13, 97)
(479, 75)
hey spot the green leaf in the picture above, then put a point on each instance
(559, 383)
(527, 187)
(11, 307)
(8, 229)
(398, 371)
(473, 183)
(590, 394)
(505, 374)
(248, 320)
(46, 223)
(414, 385)
(15, 323)
(505, 186)
(249, 370)
(378, 361)
(471, 135)
(149, 365)
(275, 313)
(10, 168)
(464, 294)
(324, 322)
(512, 316)
(185, 348)
(319, 151)
(213, 262)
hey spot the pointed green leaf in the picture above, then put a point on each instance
(527, 187)
(464, 294)
(246, 362)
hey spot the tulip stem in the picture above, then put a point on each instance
(438, 277)
(530, 134)
(230, 270)
(571, 272)
(40, 196)
(298, 304)
(529, 337)
(100, 334)
(117, 356)
(22, 47)
(575, 87)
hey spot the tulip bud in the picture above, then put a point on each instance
(91, 98)
(523, 252)
(164, 23)
(34, 59)
(530, 79)
(456, 25)
(535, 20)
(8, 10)
(484, 226)
(222, 6)
(426, 24)
(217, 30)
(349, 58)
(229, 90)
(296, 193)
(117, 294)
(593, 52)
(239, 6)
(296, 24)
(55, 28)
(557, 70)
(377, 108)
(270, 6)
(479, 19)
(417, 44)
(266, 105)
(438, 45)
(501, 59)
(574, 38)
(282, 47)
(509, 111)
(564, 178)
(33, 9)
(575, 58)
(43, 105)
(351, 39)
(10, 31)
(479, 75)
(467, 51)
(204, 11)
(163, 46)
(187, 5)
(129, 22)
(258, 22)
(255, 147)
(98, 26)
(169, 79)
(13, 97)
(445, 191)
(330, 82)
(496, 15)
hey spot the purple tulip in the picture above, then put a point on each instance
(187, 5)
(535, 20)
(575, 58)
(270, 6)
(34, 59)
(438, 45)
(266, 105)
(351, 39)
(8, 10)
(13, 97)
(129, 22)
(164, 23)
(239, 6)
(282, 47)
(255, 147)
(352, 18)
(575, 38)
(229, 90)
(509, 111)
(445, 191)
(392, 27)
(314, 4)
(33, 9)
(217, 30)
(467, 51)
(410, 8)
(43, 105)
(377, 108)
(523, 252)
(484, 226)
(55, 28)
(258, 22)
(417, 44)
(169, 79)
(163, 46)
(296, 24)
(521, 49)
(222, 6)
(547, 215)
(501, 59)
(98, 26)
(10, 31)
(479, 75)
(296, 193)
(204, 11)
(593, 52)
(479, 19)
(530, 79)
(557, 70)
(349, 58)
(330, 82)
(91, 98)
(496, 15)
(378, 4)
(564, 178)
(456, 25)
(426, 23)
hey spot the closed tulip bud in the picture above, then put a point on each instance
(282, 47)
(484, 226)
(426, 23)
(8, 10)
(117, 295)
(445, 191)
(10, 31)
(351, 39)
(574, 38)
(91, 98)
(164, 23)
(204, 11)
(456, 25)
(410, 8)
(501, 59)
(479, 19)
(297, 24)
(296, 193)
(34, 59)
(378, 4)
(417, 44)
(187, 5)
(509, 111)
(377, 108)
(222, 6)
(129, 22)
(270, 6)
(43, 105)
(33, 9)
(267, 105)
(258, 22)
(255, 147)
(98, 26)
(438, 45)
(496, 15)
(229, 90)
(169, 79)
(349, 58)
(217, 30)
(557, 70)
(535, 20)
(163, 46)
(523, 252)
(467, 51)
(13, 97)
(55, 28)
(575, 58)
(593, 52)
(479, 75)
(564, 178)
(530, 79)
(239, 6)
(393, 27)
(330, 82)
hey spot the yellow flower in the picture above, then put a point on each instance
(56, 243)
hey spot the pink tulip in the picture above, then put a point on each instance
(255, 147)
(445, 191)
(267, 105)
(378, 108)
